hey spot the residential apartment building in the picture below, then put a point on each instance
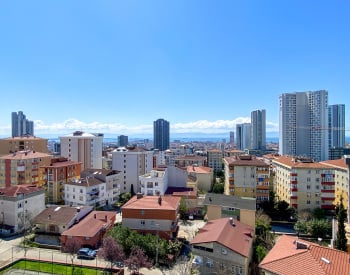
(336, 125)
(21, 126)
(23, 167)
(247, 176)
(303, 183)
(214, 159)
(23, 143)
(189, 160)
(19, 204)
(159, 179)
(225, 206)
(55, 175)
(243, 133)
(303, 120)
(83, 147)
(161, 134)
(258, 130)
(132, 162)
(153, 215)
(96, 187)
(223, 246)
(200, 177)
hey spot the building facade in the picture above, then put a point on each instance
(303, 183)
(55, 175)
(258, 130)
(21, 126)
(23, 167)
(83, 147)
(214, 159)
(157, 215)
(303, 122)
(123, 141)
(243, 136)
(336, 126)
(161, 134)
(132, 162)
(247, 176)
(23, 143)
(18, 206)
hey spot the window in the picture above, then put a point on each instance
(143, 222)
(223, 251)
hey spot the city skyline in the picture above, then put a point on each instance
(115, 67)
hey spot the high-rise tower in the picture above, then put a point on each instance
(21, 126)
(243, 136)
(336, 126)
(258, 130)
(161, 134)
(303, 124)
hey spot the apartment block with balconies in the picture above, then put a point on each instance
(303, 183)
(247, 176)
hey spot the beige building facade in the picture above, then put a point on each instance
(25, 143)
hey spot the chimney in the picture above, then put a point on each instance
(232, 221)
(106, 218)
(94, 216)
(160, 200)
(139, 195)
(49, 217)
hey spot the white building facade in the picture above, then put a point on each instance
(132, 162)
(303, 122)
(83, 147)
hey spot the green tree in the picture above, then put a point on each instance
(218, 188)
(319, 228)
(300, 227)
(132, 192)
(319, 213)
(341, 241)
(183, 209)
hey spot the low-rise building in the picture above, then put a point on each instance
(54, 220)
(152, 214)
(24, 143)
(18, 206)
(214, 159)
(189, 160)
(200, 177)
(224, 206)
(89, 231)
(224, 245)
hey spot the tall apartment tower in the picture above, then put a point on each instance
(161, 134)
(21, 126)
(123, 141)
(258, 130)
(303, 122)
(336, 126)
(232, 137)
(243, 136)
(83, 147)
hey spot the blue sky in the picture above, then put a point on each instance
(116, 66)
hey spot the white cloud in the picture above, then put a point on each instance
(201, 126)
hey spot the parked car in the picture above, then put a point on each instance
(86, 253)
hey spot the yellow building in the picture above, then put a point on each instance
(247, 176)
(25, 143)
(303, 183)
(23, 167)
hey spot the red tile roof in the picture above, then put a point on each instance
(199, 169)
(293, 162)
(91, 224)
(151, 202)
(337, 163)
(286, 259)
(14, 191)
(25, 155)
(237, 237)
